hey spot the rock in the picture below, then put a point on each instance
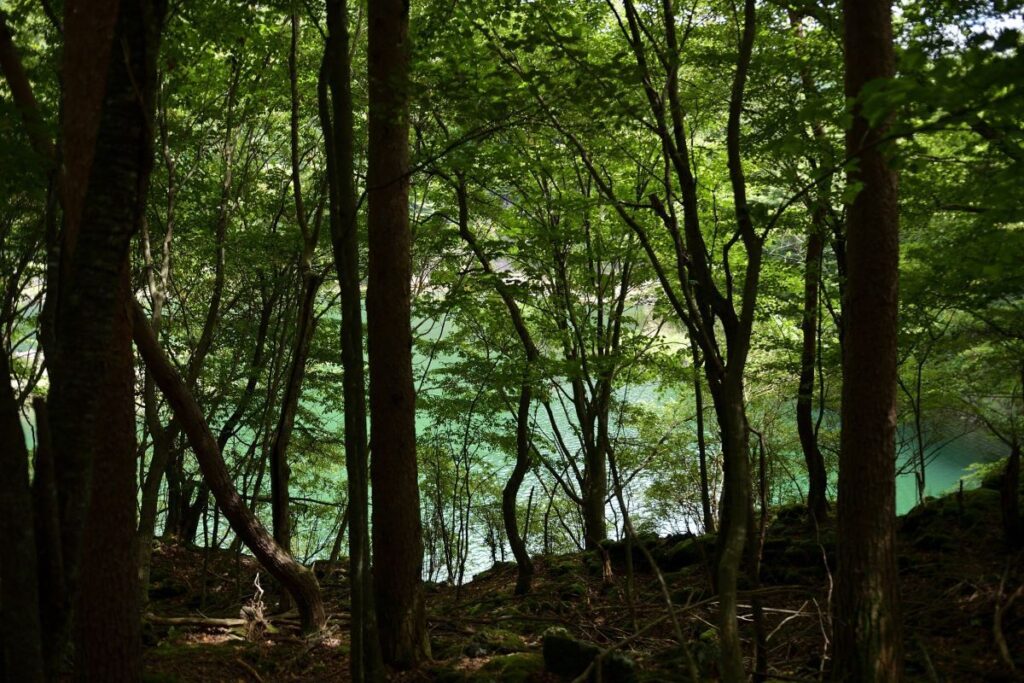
(522, 667)
(493, 641)
(496, 568)
(687, 552)
(572, 591)
(935, 541)
(570, 657)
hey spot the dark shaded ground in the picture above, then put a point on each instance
(955, 574)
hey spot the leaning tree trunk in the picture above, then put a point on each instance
(397, 534)
(109, 75)
(868, 642)
(296, 579)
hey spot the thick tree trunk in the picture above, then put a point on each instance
(21, 650)
(510, 494)
(397, 534)
(734, 511)
(867, 639)
(817, 501)
(109, 78)
(297, 580)
(336, 117)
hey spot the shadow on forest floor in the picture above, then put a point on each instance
(954, 570)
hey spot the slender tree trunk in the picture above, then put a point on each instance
(21, 650)
(280, 471)
(397, 535)
(510, 494)
(296, 579)
(1013, 530)
(53, 598)
(336, 118)
(702, 455)
(817, 501)
(868, 641)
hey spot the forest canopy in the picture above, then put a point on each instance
(511, 340)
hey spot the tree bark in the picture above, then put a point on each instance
(109, 79)
(21, 651)
(702, 455)
(336, 117)
(1013, 530)
(397, 533)
(53, 598)
(510, 493)
(867, 639)
(817, 490)
(296, 579)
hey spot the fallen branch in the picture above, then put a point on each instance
(251, 670)
(997, 621)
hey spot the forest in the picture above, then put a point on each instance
(511, 340)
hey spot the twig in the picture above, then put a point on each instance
(997, 621)
(251, 670)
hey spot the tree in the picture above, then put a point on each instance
(868, 637)
(297, 580)
(109, 77)
(397, 534)
(336, 119)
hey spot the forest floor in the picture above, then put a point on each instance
(962, 594)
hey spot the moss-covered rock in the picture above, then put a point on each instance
(522, 667)
(563, 565)
(496, 569)
(569, 657)
(493, 641)
(687, 552)
(574, 590)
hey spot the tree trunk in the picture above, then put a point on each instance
(296, 579)
(702, 455)
(280, 471)
(21, 651)
(817, 501)
(397, 534)
(510, 494)
(336, 118)
(1013, 530)
(867, 639)
(109, 80)
(734, 510)
(53, 599)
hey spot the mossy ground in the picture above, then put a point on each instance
(951, 556)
